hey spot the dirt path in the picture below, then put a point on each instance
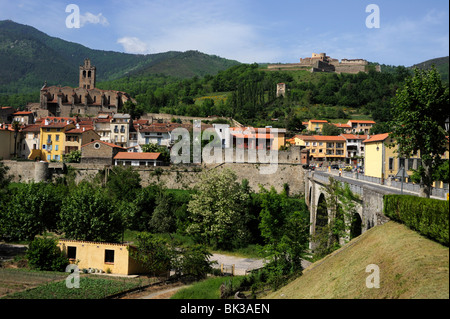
(164, 291)
(163, 294)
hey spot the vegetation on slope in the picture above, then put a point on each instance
(411, 266)
(28, 57)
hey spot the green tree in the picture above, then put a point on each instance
(193, 261)
(72, 157)
(331, 130)
(163, 218)
(155, 148)
(138, 213)
(284, 227)
(123, 183)
(419, 110)
(32, 209)
(341, 205)
(44, 254)
(130, 108)
(4, 178)
(153, 253)
(217, 211)
(88, 213)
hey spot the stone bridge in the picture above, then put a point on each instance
(368, 209)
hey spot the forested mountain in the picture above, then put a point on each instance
(28, 57)
(441, 65)
(195, 84)
(248, 94)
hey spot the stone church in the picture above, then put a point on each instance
(85, 100)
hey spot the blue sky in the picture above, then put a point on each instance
(249, 30)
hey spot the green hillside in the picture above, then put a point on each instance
(411, 267)
(441, 65)
(188, 64)
(28, 57)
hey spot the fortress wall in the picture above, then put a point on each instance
(353, 69)
(287, 170)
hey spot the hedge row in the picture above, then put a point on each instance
(427, 216)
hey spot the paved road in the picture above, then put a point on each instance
(361, 183)
(243, 265)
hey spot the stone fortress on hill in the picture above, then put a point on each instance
(320, 62)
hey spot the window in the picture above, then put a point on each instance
(56, 147)
(57, 138)
(109, 256)
(71, 252)
(410, 164)
(401, 163)
(391, 164)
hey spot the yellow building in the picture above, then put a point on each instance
(79, 136)
(382, 161)
(374, 156)
(107, 257)
(315, 125)
(60, 136)
(323, 148)
(52, 138)
(360, 126)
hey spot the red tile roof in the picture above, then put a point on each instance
(22, 113)
(80, 130)
(105, 143)
(377, 138)
(354, 136)
(137, 156)
(362, 121)
(318, 121)
(328, 138)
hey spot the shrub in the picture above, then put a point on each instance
(44, 254)
(427, 216)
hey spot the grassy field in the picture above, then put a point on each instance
(206, 289)
(26, 284)
(411, 267)
(14, 280)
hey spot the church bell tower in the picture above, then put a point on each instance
(87, 75)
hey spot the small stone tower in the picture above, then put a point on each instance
(281, 89)
(87, 75)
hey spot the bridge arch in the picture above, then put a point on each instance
(321, 212)
(356, 225)
(310, 195)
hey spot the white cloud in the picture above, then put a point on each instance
(213, 27)
(133, 45)
(93, 19)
